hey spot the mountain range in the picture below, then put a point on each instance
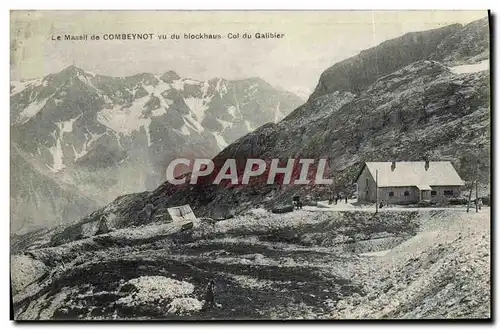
(108, 136)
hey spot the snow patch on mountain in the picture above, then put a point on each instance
(183, 131)
(471, 68)
(146, 129)
(154, 289)
(232, 110)
(90, 138)
(82, 153)
(205, 87)
(156, 89)
(221, 88)
(83, 78)
(225, 124)
(197, 106)
(124, 109)
(56, 150)
(66, 126)
(125, 120)
(57, 154)
(19, 86)
(192, 82)
(221, 143)
(192, 123)
(178, 84)
(31, 110)
(252, 89)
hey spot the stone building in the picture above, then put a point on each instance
(408, 182)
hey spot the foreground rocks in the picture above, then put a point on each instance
(442, 272)
(297, 265)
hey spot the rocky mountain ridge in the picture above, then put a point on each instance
(452, 45)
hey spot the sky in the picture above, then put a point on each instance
(312, 42)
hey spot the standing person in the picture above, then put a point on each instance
(479, 203)
(296, 201)
(209, 296)
(346, 198)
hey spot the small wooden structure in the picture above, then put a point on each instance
(182, 213)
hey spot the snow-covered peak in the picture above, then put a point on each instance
(74, 112)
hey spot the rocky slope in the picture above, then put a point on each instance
(109, 136)
(442, 272)
(316, 264)
(466, 45)
(304, 258)
(452, 45)
(37, 200)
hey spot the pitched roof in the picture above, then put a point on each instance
(181, 213)
(415, 174)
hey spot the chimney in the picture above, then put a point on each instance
(393, 166)
(426, 165)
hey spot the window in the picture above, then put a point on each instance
(434, 193)
(448, 192)
(391, 193)
(366, 182)
(407, 193)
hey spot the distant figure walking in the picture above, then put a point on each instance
(346, 198)
(297, 203)
(210, 296)
(479, 203)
